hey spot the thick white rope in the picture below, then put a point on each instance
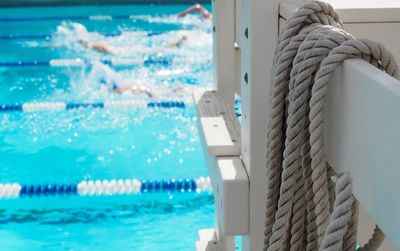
(302, 212)
(337, 227)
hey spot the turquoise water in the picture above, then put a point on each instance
(75, 145)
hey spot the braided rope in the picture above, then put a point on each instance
(316, 12)
(302, 210)
(350, 239)
(274, 147)
(306, 63)
(337, 227)
(375, 241)
(292, 164)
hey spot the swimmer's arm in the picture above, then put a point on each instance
(176, 43)
(189, 10)
(204, 13)
(121, 89)
(103, 48)
(133, 89)
(197, 7)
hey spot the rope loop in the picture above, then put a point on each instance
(305, 209)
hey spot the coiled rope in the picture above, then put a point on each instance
(305, 210)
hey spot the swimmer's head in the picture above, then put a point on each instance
(83, 42)
(103, 81)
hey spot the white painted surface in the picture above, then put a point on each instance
(385, 33)
(231, 194)
(238, 63)
(257, 52)
(238, 17)
(218, 126)
(365, 229)
(208, 241)
(362, 122)
(261, 19)
(199, 247)
(206, 238)
(223, 13)
(358, 11)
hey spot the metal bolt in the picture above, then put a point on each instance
(213, 28)
(246, 32)
(246, 78)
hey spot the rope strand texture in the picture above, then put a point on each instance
(333, 239)
(302, 212)
(315, 12)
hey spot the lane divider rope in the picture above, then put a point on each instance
(105, 188)
(75, 18)
(77, 62)
(49, 36)
(61, 106)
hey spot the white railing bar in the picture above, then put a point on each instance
(362, 120)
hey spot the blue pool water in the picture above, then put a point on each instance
(90, 144)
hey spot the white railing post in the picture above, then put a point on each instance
(223, 12)
(259, 33)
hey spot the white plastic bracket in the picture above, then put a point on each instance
(230, 185)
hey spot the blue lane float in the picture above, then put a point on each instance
(72, 18)
(31, 37)
(106, 188)
(148, 61)
(49, 36)
(62, 106)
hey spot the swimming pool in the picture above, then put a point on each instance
(89, 143)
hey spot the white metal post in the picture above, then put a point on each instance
(259, 33)
(223, 12)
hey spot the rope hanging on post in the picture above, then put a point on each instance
(304, 210)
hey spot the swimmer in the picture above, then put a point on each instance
(79, 31)
(135, 89)
(113, 82)
(126, 86)
(97, 46)
(177, 43)
(106, 49)
(197, 7)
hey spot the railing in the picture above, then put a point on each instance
(362, 118)
(362, 138)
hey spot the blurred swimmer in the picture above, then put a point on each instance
(110, 79)
(104, 48)
(196, 8)
(135, 89)
(72, 34)
(178, 43)
(101, 47)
